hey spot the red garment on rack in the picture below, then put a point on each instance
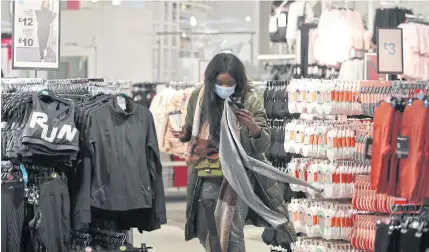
(412, 175)
(394, 159)
(424, 178)
(382, 146)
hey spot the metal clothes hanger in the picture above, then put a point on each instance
(420, 19)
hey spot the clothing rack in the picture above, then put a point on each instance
(411, 220)
(143, 92)
(390, 4)
(175, 83)
(73, 86)
(280, 150)
(352, 159)
(340, 4)
(405, 208)
(142, 84)
(183, 83)
(259, 83)
(11, 89)
(279, 71)
(180, 91)
(417, 18)
(18, 99)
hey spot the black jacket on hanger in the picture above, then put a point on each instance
(125, 162)
(388, 18)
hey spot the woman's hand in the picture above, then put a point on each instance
(246, 118)
(178, 134)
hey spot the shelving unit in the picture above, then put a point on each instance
(172, 44)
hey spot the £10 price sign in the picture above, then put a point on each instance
(36, 31)
(28, 31)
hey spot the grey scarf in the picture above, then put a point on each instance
(234, 160)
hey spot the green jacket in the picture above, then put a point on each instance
(253, 147)
(269, 191)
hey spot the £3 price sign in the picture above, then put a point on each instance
(390, 48)
(390, 59)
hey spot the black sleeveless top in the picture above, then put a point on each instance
(50, 129)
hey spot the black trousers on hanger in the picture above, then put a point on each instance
(51, 226)
(12, 216)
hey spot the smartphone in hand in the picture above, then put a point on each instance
(236, 106)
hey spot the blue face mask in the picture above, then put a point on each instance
(224, 92)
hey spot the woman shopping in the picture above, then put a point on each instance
(44, 20)
(225, 77)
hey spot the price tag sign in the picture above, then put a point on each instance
(390, 56)
(36, 35)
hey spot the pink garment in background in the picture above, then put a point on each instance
(339, 31)
(178, 102)
(416, 51)
(312, 37)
